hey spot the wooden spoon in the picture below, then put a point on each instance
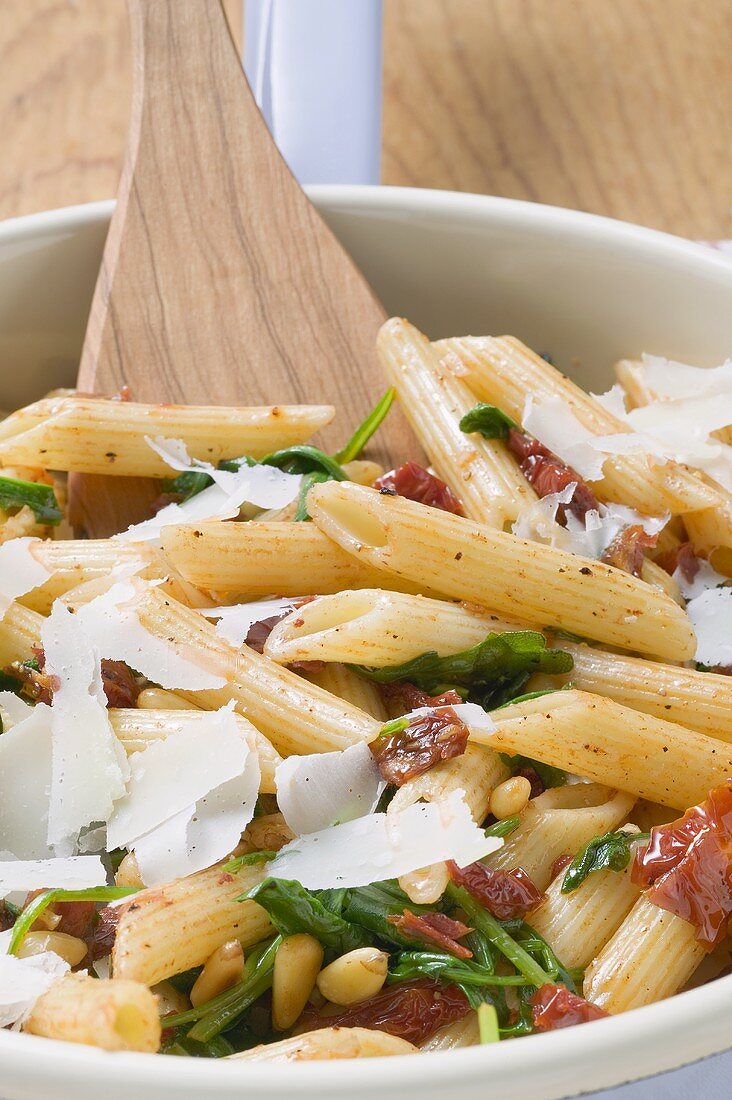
(219, 284)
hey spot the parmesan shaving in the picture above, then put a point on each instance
(20, 571)
(612, 401)
(669, 378)
(13, 709)
(554, 424)
(316, 791)
(711, 615)
(88, 764)
(706, 577)
(236, 621)
(23, 981)
(25, 781)
(72, 873)
(382, 846)
(470, 713)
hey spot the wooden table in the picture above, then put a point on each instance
(622, 107)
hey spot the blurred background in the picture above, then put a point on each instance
(620, 107)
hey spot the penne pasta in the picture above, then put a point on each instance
(597, 738)
(346, 684)
(20, 630)
(171, 928)
(480, 472)
(96, 436)
(473, 562)
(504, 372)
(328, 1043)
(651, 956)
(463, 1033)
(112, 1015)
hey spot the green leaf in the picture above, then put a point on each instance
(317, 477)
(364, 431)
(487, 1023)
(501, 663)
(369, 908)
(247, 860)
(188, 484)
(293, 909)
(489, 420)
(446, 968)
(531, 695)
(549, 775)
(304, 459)
(15, 493)
(34, 909)
(611, 852)
(503, 828)
(183, 1046)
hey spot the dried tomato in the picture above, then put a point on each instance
(505, 894)
(410, 1010)
(686, 868)
(626, 551)
(553, 1006)
(416, 483)
(409, 697)
(101, 941)
(434, 928)
(548, 474)
(681, 557)
(120, 686)
(428, 739)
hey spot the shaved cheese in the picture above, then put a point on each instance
(112, 625)
(613, 401)
(23, 981)
(686, 421)
(72, 873)
(669, 378)
(382, 846)
(25, 781)
(711, 616)
(316, 791)
(235, 622)
(554, 424)
(537, 521)
(470, 713)
(263, 486)
(706, 577)
(13, 709)
(20, 571)
(88, 764)
(172, 774)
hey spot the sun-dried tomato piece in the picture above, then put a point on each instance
(434, 928)
(101, 941)
(548, 474)
(7, 920)
(535, 780)
(686, 868)
(408, 697)
(721, 670)
(410, 1010)
(561, 863)
(415, 483)
(626, 551)
(553, 1006)
(259, 632)
(120, 686)
(505, 894)
(428, 739)
(682, 557)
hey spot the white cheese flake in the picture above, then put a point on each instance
(88, 764)
(20, 571)
(236, 621)
(705, 577)
(71, 873)
(382, 846)
(612, 401)
(319, 790)
(711, 616)
(471, 714)
(554, 424)
(13, 709)
(23, 981)
(669, 378)
(25, 782)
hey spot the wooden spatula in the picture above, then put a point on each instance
(219, 284)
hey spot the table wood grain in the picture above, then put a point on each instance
(622, 108)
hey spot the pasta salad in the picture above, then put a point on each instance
(318, 760)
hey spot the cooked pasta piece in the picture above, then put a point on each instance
(346, 684)
(113, 1015)
(20, 630)
(504, 372)
(481, 472)
(171, 928)
(558, 822)
(162, 699)
(137, 728)
(651, 956)
(462, 1033)
(471, 561)
(328, 1043)
(606, 742)
(96, 436)
(361, 471)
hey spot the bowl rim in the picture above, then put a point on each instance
(632, 1032)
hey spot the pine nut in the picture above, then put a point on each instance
(128, 873)
(68, 947)
(223, 968)
(426, 886)
(296, 966)
(510, 797)
(354, 977)
(170, 999)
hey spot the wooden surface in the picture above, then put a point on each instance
(623, 107)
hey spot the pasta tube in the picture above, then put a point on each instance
(20, 630)
(481, 472)
(603, 741)
(505, 372)
(345, 684)
(471, 561)
(171, 928)
(328, 1043)
(113, 1015)
(96, 436)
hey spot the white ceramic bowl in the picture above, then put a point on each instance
(585, 289)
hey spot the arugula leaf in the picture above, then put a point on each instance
(182, 1046)
(446, 968)
(540, 950)
(364, 431)
(41, 498)
(369, 907)
(503, 828)
(489, 420)
(304, 459)
(247, 860)
(531, 695)
(611, 851)
(188, 484)
(292, 909)
(549, 775)
(498, 666)
(314, 478)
